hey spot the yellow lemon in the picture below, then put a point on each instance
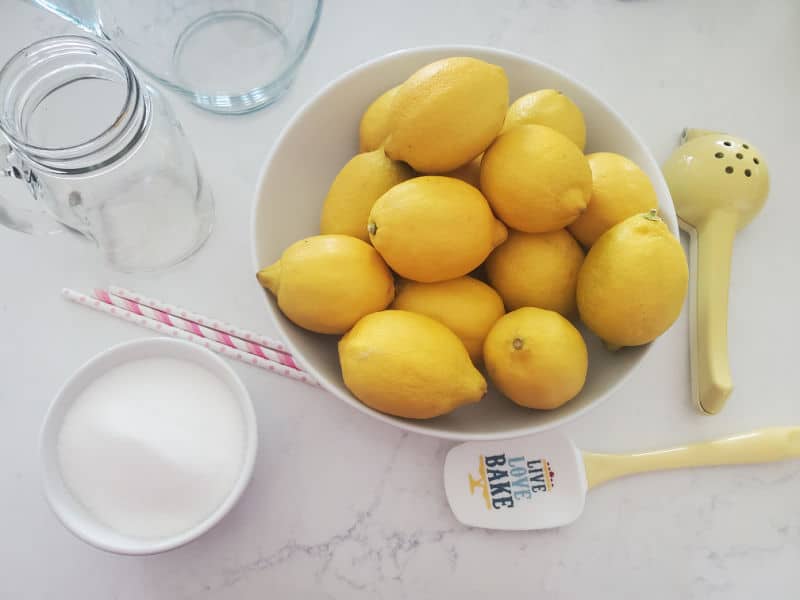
(374, 126)
(434, 228)
(537, 269)
(620, 189)
(326, 283)
(408, 365)
(465, 305)
(633, 282)
(364, 179)
(447, 113)
(469, 173)
(536, 357)
(550, 108)
(536, 179)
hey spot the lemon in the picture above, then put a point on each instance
(374, 126)
(447, 113)
(364, 179)
(536, 357)
(468, 307)
(408, 365)
(469, 173)
(620, 189)
(434, 228)
(536, 179)
(326, 283)
(633, 282)
(537, 269)
(550, 108)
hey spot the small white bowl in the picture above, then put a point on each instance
(323, 136)
(70, 512)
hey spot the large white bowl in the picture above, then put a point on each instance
(323, 136)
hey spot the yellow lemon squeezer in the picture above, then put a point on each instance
(718, 183)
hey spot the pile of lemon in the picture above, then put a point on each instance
(453, 186)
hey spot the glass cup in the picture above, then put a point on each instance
(101, 153)
(227, 56)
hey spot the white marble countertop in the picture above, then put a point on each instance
(373, 522)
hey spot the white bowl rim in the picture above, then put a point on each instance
(410, 425)
(141, 546)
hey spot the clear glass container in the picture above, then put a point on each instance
(227, 56)
(101, 154)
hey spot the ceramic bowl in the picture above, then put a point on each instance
(323, 136)
(75, 517)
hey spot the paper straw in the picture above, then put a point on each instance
(215, 324)
(173, 320)
(162, 328)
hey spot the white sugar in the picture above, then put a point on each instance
(152, 447)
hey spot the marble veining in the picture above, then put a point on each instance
(343, 507)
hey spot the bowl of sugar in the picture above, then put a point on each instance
(148, 446)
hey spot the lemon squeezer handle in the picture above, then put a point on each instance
(711, 246)
(764, 445)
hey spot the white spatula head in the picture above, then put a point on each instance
(528, 483)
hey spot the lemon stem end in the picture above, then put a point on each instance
(269, 277)
(652, 215)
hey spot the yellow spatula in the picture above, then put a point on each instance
(718, 183)
(541, 481)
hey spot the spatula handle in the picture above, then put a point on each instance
(763, 445)
(711, 245)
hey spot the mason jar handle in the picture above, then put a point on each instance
(22, 215)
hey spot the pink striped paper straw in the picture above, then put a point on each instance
(163, 328)
(215, 324)
(172, 320)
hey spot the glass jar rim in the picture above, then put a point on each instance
(74, 44)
